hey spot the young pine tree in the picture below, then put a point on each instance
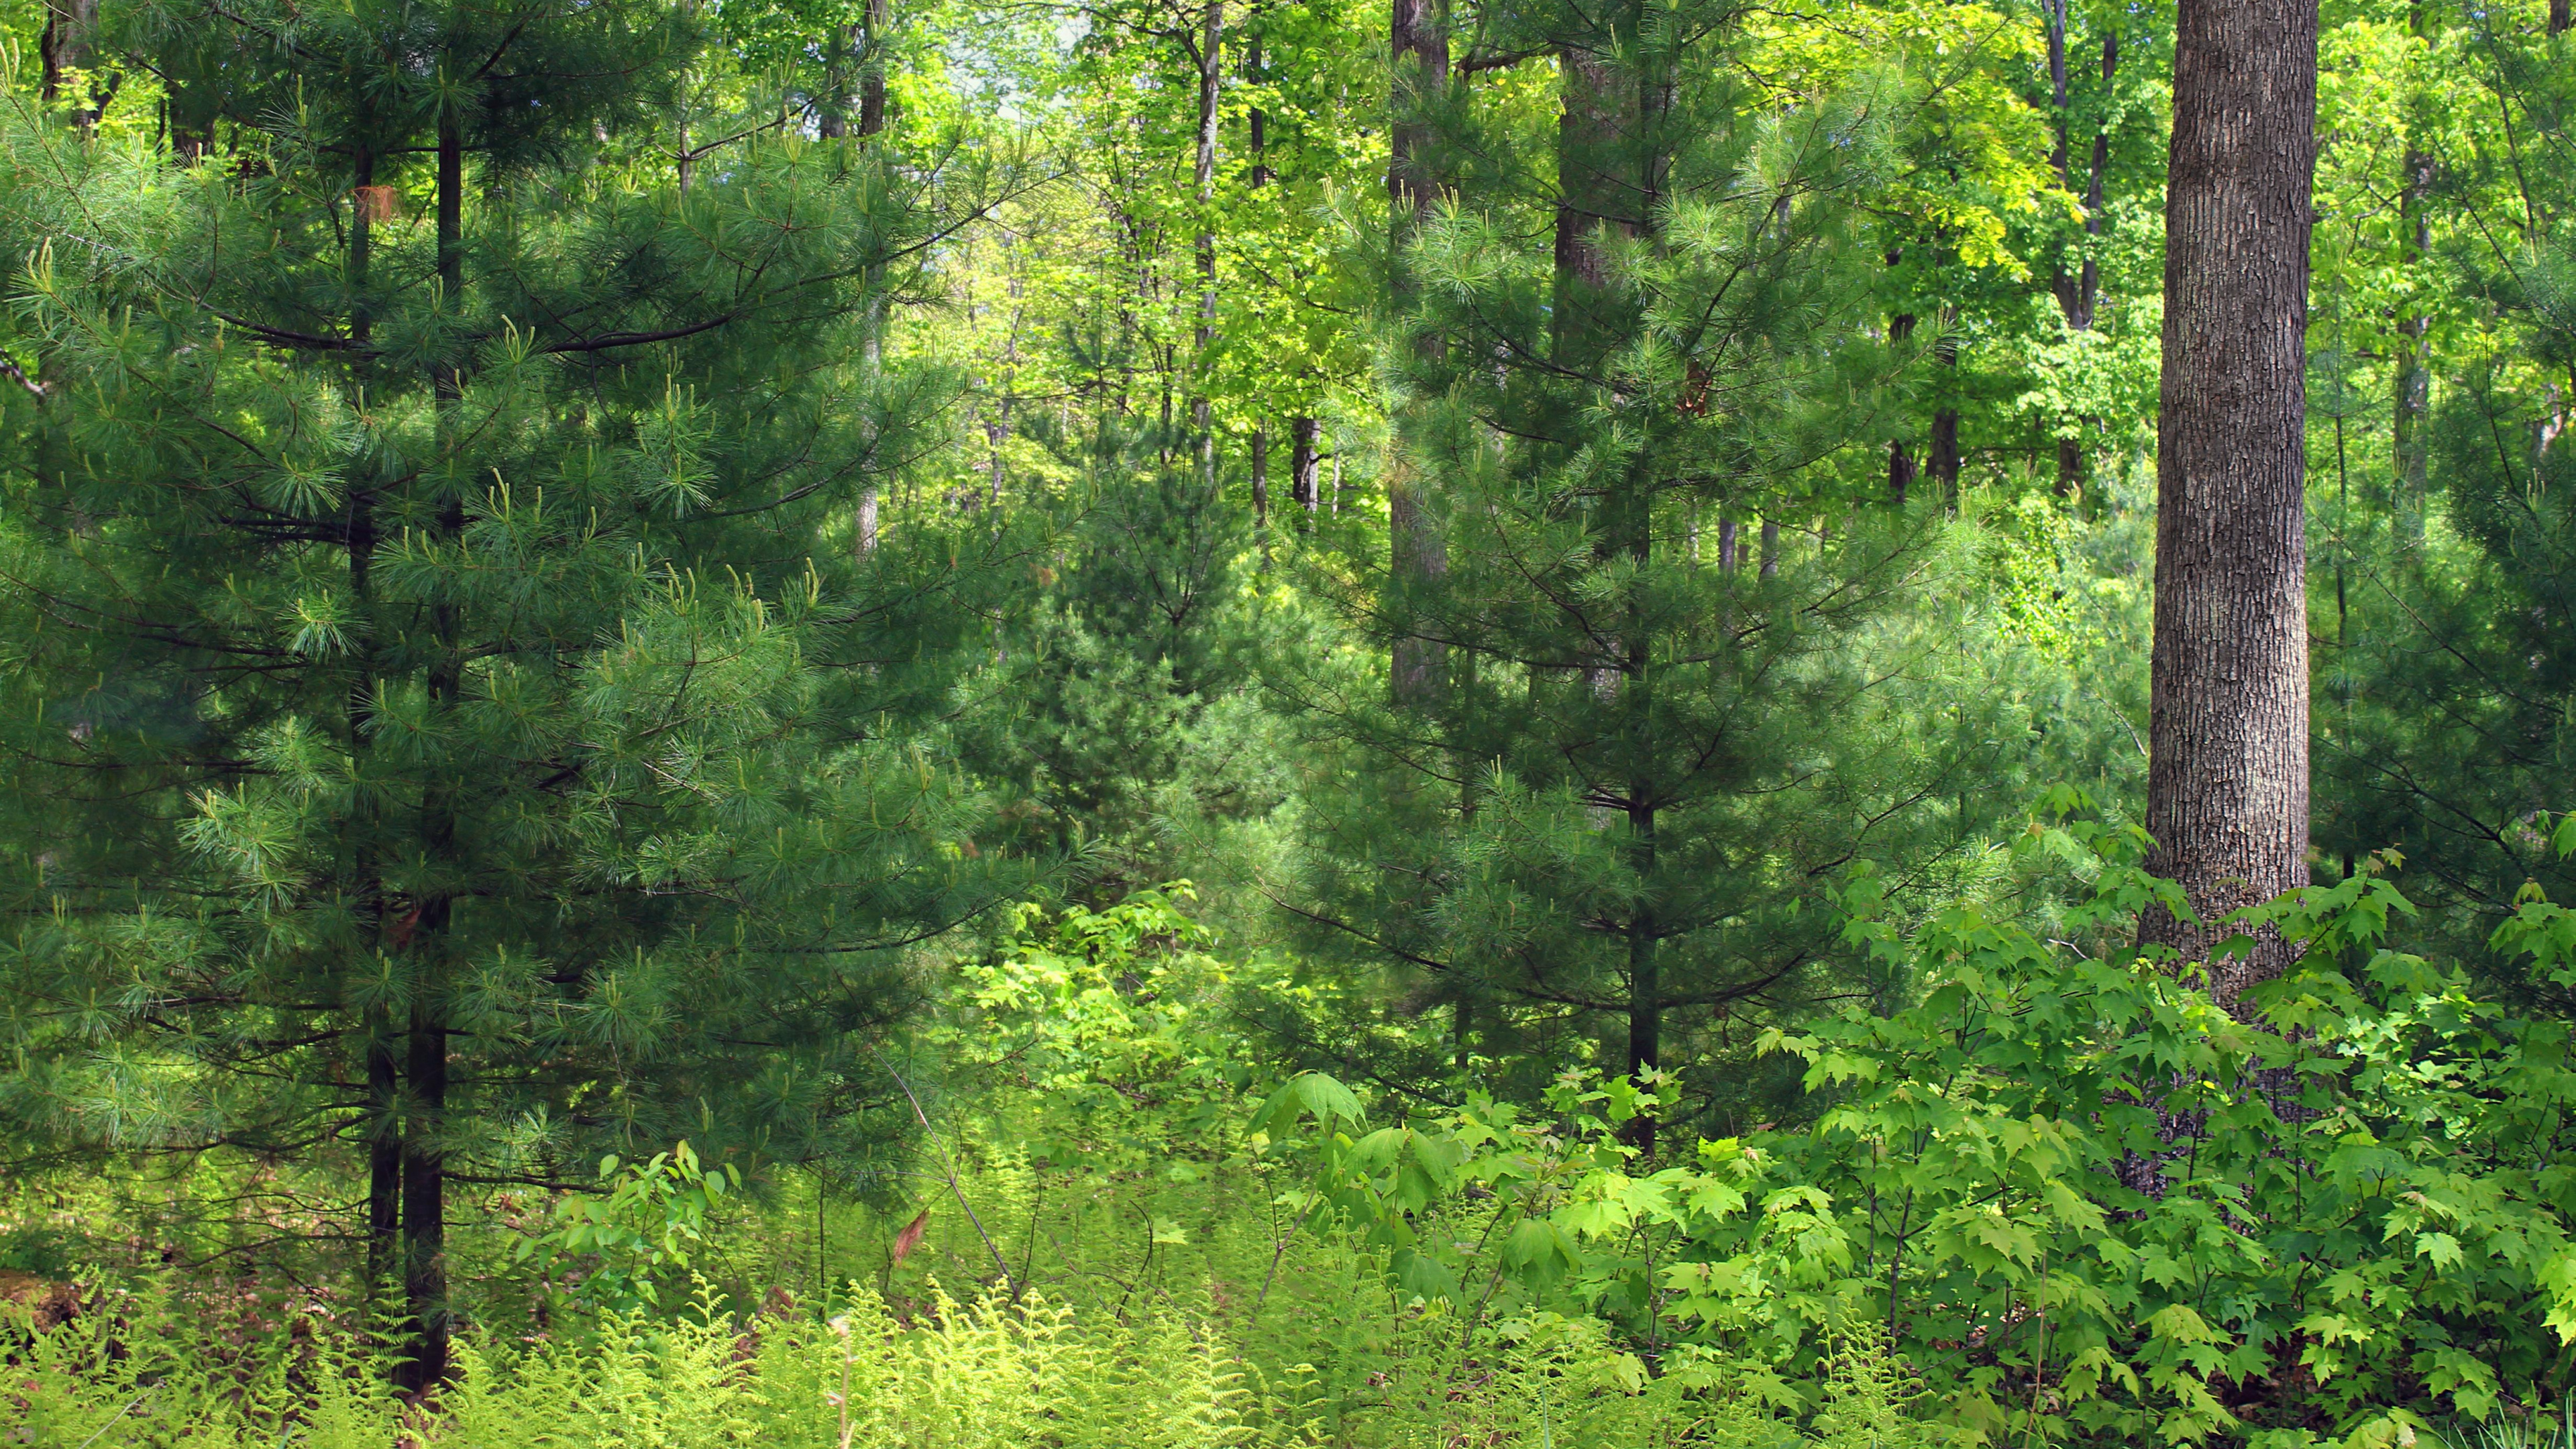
(453, 733)
(1667, 697)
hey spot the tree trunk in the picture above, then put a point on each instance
(1304, 465)
(2227, 785)
(1900, 459)
(424, 1149)
(1770, 548)
(64, 48)
(2561, 15)
(1419, 45)
(1726, 545)
(2076, 292)
(872, 88)
(383, 1126)
(1943, 460)
(2414, 372)
(1260, 464)
(1211, 73)
(872, 120)
(1257, 124)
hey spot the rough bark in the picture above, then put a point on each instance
(2227, 787)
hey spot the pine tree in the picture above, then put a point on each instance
(452, 735)
(1646, 757)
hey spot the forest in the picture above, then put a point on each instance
(1392, 724)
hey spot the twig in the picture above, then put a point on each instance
(948, 1165)
(119, 1414)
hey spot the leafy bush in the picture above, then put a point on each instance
(2081, 1199)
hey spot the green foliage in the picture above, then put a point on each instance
(2360, 1222)
(640, 1227)
(961, 1376)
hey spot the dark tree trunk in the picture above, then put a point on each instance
(383, 1127)
(1257, 127)
(2227, 785)
(1418, 39)
(1726, 545)
(1305, 464)
(63, 48)
(1259, 462)
(1943, 460)
(424, 1148)
(1900, 459)
(2561, 15)
(872, 88)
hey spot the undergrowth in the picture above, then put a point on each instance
(947, 1375)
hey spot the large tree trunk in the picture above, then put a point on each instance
(2227, 785)
(1418, 38)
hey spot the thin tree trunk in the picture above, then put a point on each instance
(1942, 461)
(1726, 545)
(2076, 292)
(1257, 124)
(1211, 80)
(424, 1149)
(1260, 464)
(2562, 14)
(1419, 44)
(2227, 784)
(1770, 548)
(1900, 459)
(872, 120)
(383, 1124)
(2414, 373)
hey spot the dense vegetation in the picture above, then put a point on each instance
(1287, 721)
